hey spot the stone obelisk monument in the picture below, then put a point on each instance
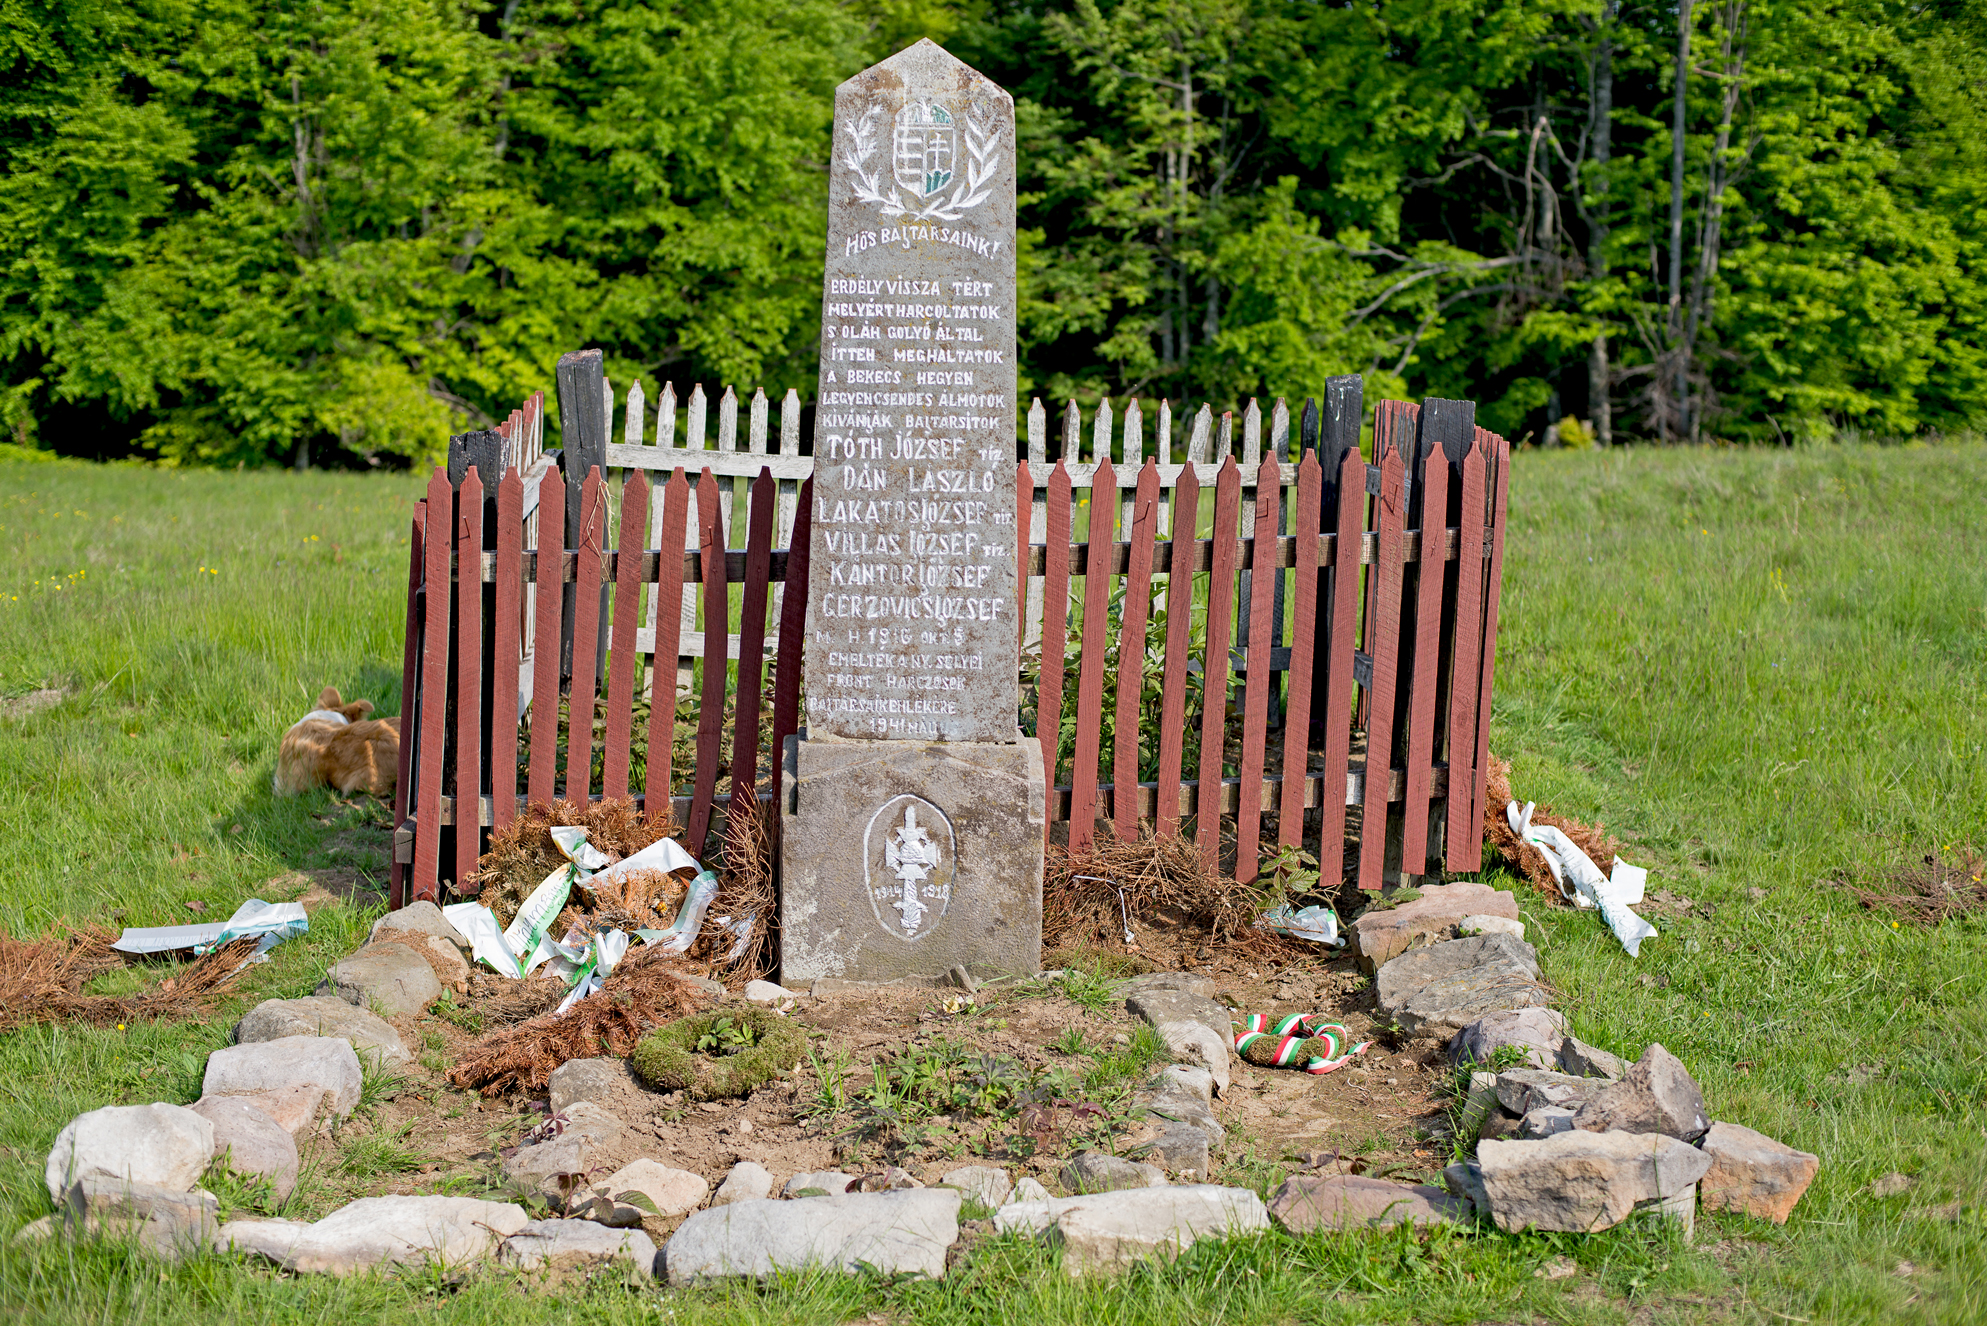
(913, 816)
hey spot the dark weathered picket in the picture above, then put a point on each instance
(1328, 617)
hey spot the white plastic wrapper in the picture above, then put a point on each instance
(526, 933)
(478, 924)
(1581, 882)
(663, 854)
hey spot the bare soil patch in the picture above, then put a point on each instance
(1936, 888)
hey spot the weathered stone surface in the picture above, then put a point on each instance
(1378, 936)
(1180, 1148)
(1580, 1181)
(421, 918)
(1751, 1172)
(1027, 1189)
(765, 992)
(313, 1063)
(920, 192)
(1656, 1095)
(831, 1182)
(1479, 1100)
(1198, 1043)
(35, 1231)
(1172, 980)
(667, 1192)
(1465, 1180)
(1443, 988)
(978, 806)
(451, 1232)
(323, 1015)
(567, 1247)
(1094, 1172)
(1489, 925)
(1522, 1090)
(161, 1145)
(747, 1182)
(1545, 1121)
(254, 1143)
(1108, 1231)
(1309, 1202)
(594, 1081)
(449, 964)
(1539, 1032)
(983, 1183)
(293, 1108)
(1583, 1060)
(164, 1222)
(894, 1232)
(1679, 1208)
(390, 979)
(1197, 1083)
(1161, 1006)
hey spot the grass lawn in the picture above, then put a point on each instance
(1763, 670)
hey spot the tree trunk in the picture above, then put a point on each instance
(1599, 404)
(1718, 178)
(1680, 364)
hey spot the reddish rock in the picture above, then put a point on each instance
(1751, 1172)
(1380, 935)
(1344, 1201)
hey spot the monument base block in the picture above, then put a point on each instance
(899, 858)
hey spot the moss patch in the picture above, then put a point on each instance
(668, 1059)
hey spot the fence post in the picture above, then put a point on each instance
(583, 434)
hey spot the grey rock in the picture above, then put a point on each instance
(1198, 1042)
(1340, 1202)
(1656, 1095)
(1581, 1181)
(765, 992)
(168, 1224)
(1522, 1090)
(35, 1231)
(419, 918)
(667, 1191)
(1180, 1148)
(390, 979)
(831, 1182)
(293, 1108)
(453, 1233)
(981, 803)
(323, 1015)
(1160, 1006)
(1108, 1231)
(1443, 988)
(1490, 925)
(579, 1246)
(159, 1145)
(1180, 1078)
(1539, 1032)
(705, 985)
(310, 1063)
(893, 1232)
(595, 1081)
(1465, 1180)
(747, 1182)
(254, 1144)
(1172, 980)
(1094, 1172)
(1679, 1208)
(1380, 935)
(983, 1183)
(561, 1167)
(1545, 1121)
(1027, 1189)
(1751, 1172)
(1583, 1060)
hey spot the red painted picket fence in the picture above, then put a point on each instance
(1354, 606)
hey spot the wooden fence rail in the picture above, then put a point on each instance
(1292, 610)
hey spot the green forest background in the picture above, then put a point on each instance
(334, 231)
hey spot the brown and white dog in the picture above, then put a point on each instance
(337, 744)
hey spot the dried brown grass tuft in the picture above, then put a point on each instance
(42, 981)
(522, 854)
(745, 889)
(645, 990)
(1178, 904)
(1931, 892)
(1599, 845)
